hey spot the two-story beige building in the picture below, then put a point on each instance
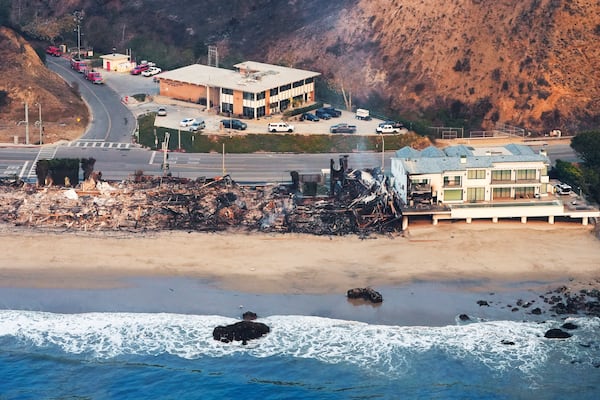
(464, 182)
(252, 90)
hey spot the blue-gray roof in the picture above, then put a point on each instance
(460, 158)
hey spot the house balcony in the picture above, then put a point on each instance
(515, 181)
(420, 188)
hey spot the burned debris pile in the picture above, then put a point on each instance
(361, 203)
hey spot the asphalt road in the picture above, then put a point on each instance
(110, 121)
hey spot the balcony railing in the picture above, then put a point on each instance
(420, 187)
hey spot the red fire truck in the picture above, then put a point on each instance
(53, 51)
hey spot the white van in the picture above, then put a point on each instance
(280, 127)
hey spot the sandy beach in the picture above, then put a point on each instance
(303, 264)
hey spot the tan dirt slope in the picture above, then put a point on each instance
(25, 79)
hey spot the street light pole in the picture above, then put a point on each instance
(78, 17)
(39, 121)
(26, 123)
(382, 154)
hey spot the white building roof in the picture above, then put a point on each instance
(115, 56)
(260, 76)
(461, 158)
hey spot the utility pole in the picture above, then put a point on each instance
(26, 123)
(78, 18)
(39, 121)
(223, 161)
(382, 153)
(165, 148)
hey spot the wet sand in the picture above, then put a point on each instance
(427, 276)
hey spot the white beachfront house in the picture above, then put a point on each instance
(464, 182)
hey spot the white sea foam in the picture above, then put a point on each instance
(381, 349)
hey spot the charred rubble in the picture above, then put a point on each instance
(358, 202)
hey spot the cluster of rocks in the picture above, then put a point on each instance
(242, 331)
(367, 294)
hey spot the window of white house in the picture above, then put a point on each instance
(226, 91)
(501, 175)
(476, 174)
(526, 174)
(453, 194)
(452, 180)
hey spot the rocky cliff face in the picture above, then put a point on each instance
(472, 63)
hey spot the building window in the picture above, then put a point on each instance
(501, 193)
(226, 91)
(501, 175)
(227, 107)
(260, 112)
(309, 80)
(475, 194)
(248, 96)
(453, 194)
(274, 92)
(248, 112)
(260, 96)
(284, 104)
(285, 87)
(476, 174)
(298, 84)
(526, 174)
(525, 193)
(274, 106)
(452, 181)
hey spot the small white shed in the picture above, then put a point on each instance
(117, 62)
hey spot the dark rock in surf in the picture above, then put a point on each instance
(464, 317)
(367, 294)
(482, 303)
(249, 316)
(569, 326)
(243, 330)
(507, 342)
(557, 334)
(536, 311)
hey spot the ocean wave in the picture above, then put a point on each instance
(379, 349)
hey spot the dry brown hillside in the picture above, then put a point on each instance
(531, 63)
(25, 79)
(470, 63)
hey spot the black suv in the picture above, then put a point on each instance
(331, 111)
(234, 124)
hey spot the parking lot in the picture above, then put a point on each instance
(127, 86)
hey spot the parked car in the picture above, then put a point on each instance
(389, 128)
(332, 111)
(342, 128)
(309, 117)
(321, 113)
(234, 124)
(280, 127)
(161, 112)
(187, 122)
(563, 188)
(197, 126)
(151, 71)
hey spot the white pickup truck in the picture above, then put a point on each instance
(280, 127)
(390, 128)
